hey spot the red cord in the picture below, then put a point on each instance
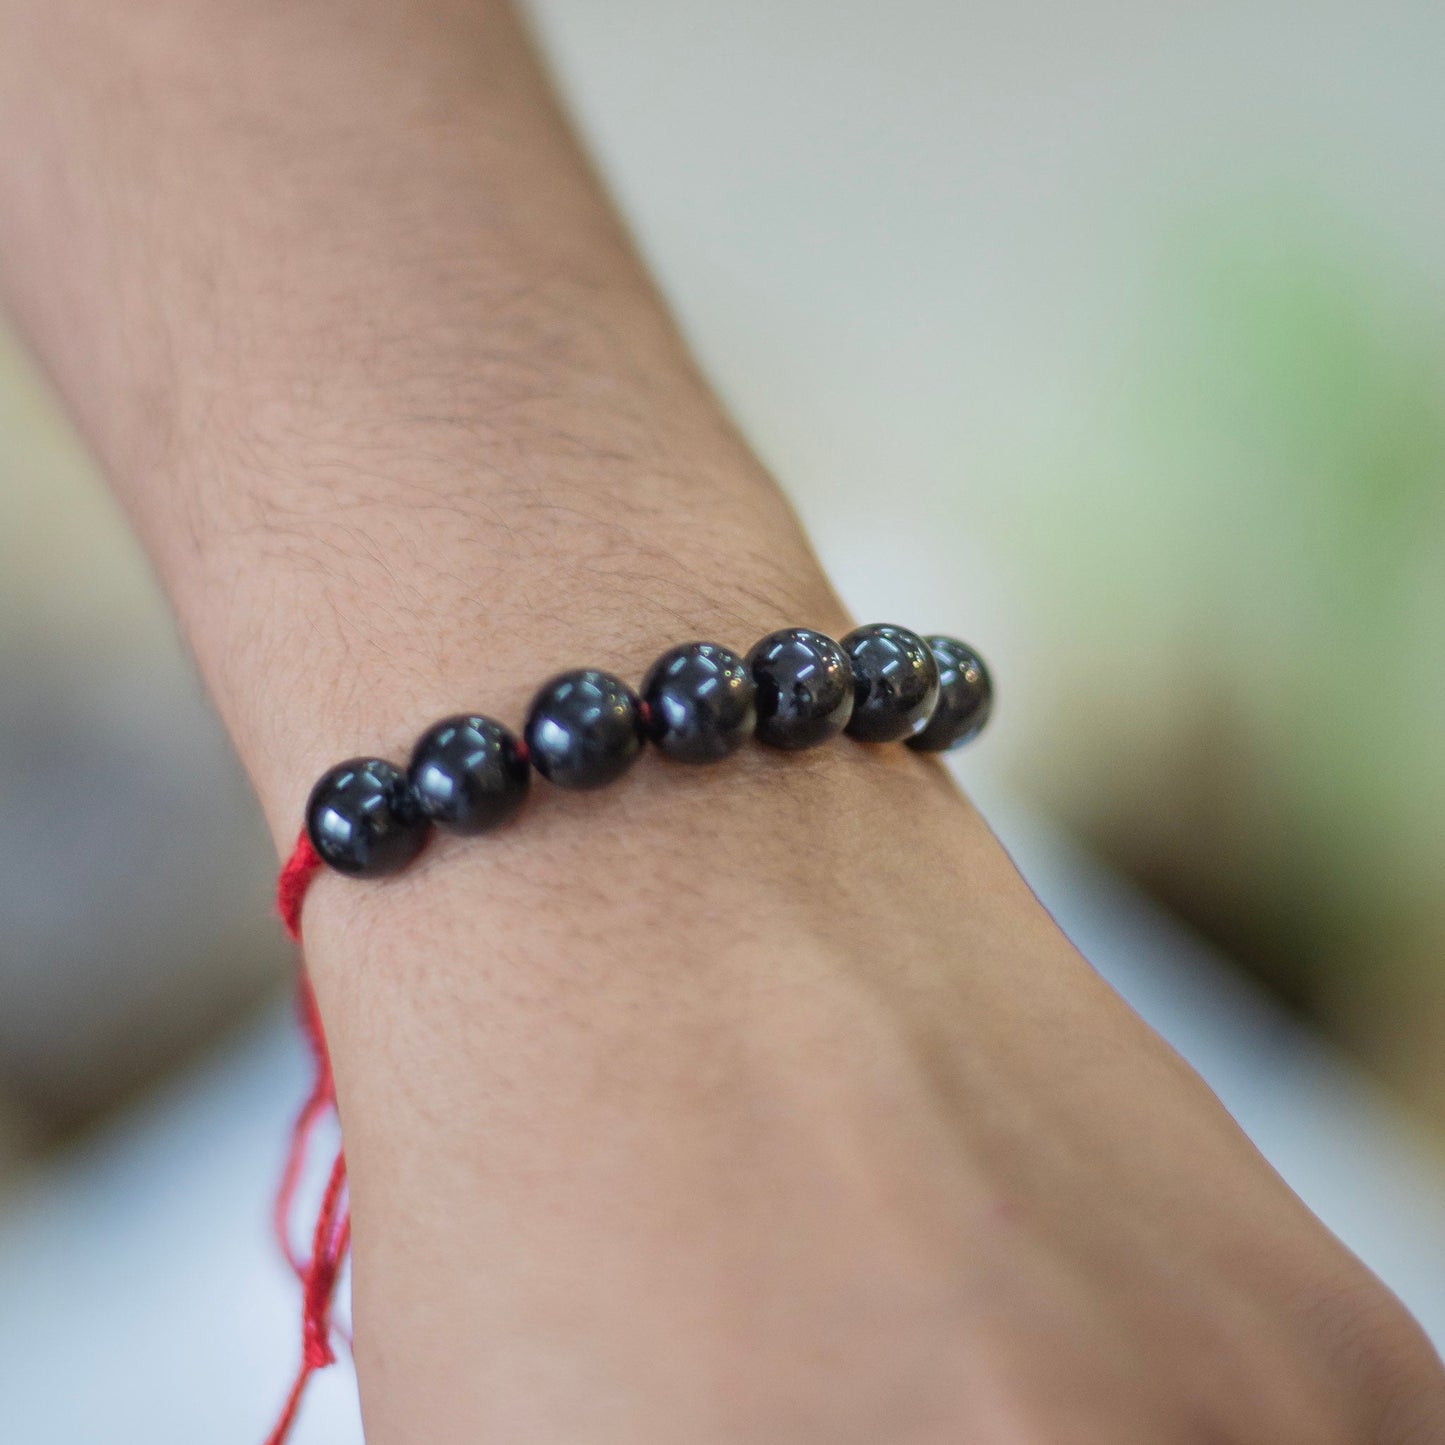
(295, 877)
(331, 1237)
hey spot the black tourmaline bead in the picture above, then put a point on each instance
(699, 702)
(895, 683)
(584, 729)
(965, 697)
(804, 688)
(469, 774)
(362, 819)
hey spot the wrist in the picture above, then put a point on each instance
(369, 596)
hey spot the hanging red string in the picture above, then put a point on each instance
(331, 1236)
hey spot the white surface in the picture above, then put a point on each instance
(140, 1300)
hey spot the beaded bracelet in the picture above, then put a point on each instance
(698, 703)
(469, 774)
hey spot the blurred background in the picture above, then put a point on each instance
(1108, 336)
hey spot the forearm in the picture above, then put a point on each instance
(406, 430)
(352, 330)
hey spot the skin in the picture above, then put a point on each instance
(759, 1104)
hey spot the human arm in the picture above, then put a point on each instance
(758, 1104)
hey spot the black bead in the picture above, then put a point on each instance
(584, 729)
(804, 688)
(895, 682)
(469, 774)
(699, 700)
(965, 697)
(362, 819)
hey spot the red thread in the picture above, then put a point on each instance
(295, 877)
(331, 1236)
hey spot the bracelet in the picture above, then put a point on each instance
(699, 703)
(469, 774)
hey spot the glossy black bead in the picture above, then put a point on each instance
(804, 688)
(469, 774)
(362, 819)
(699, 701)
(965, 697)
(895, 682)
(584, 729)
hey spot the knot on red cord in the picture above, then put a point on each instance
(318, 1352)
